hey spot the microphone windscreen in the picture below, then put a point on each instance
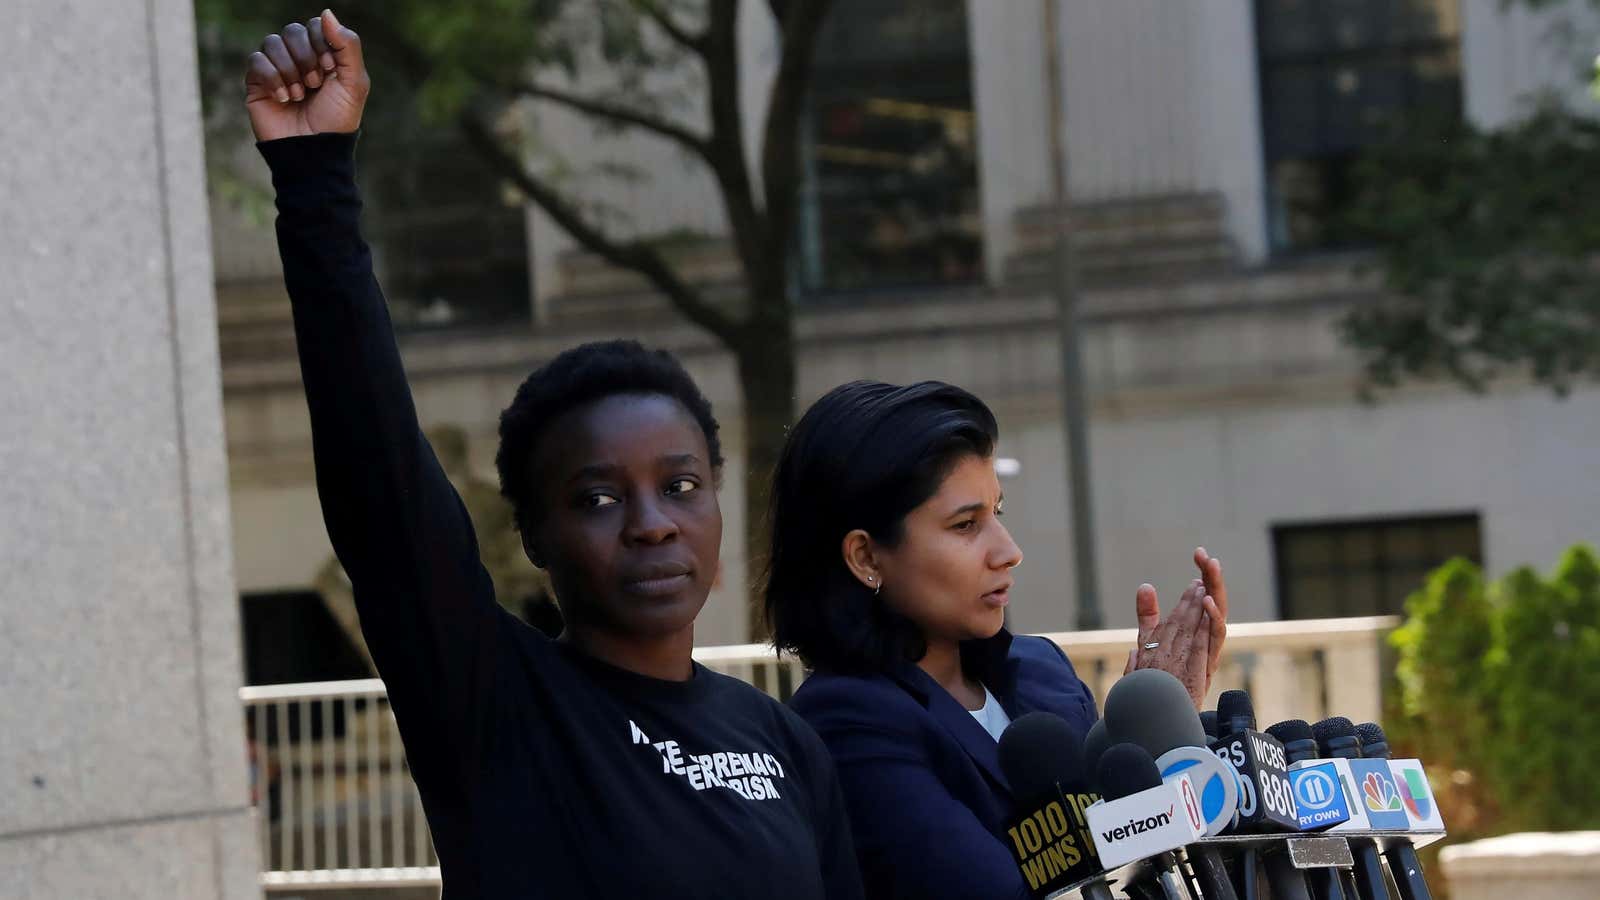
(1291, 730)
(1332, 727)
(1235, 707)
(1151, 708)
(1126, 769)
(1374, 744)
(1208, 722)
(1095, 743)
(1038, 752)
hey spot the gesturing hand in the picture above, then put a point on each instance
(307, 79)
(1189, 642)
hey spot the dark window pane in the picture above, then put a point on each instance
(1363, 591)
(1336, 76)
(1311, 551)
(1365, 568)
(1316, 597)
(291, 637)
(449, 239)
(890, 151)
(1358, 547)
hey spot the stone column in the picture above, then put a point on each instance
(122, 752)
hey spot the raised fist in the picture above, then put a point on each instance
(308, 79)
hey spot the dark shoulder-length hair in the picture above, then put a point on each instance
(863, 456)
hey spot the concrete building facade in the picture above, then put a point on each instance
(1224, 407)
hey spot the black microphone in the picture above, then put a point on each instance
(1266, 800)
(1374, 744)
(1337, 739)
(1235, 713)
(1153, 709)
(1095, 742)
(1299, 745)
(1403, 862)
(1127, 771)
(1042, 759)
(1208, 721)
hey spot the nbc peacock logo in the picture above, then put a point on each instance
(1380, 793)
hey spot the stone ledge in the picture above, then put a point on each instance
(1539, 855)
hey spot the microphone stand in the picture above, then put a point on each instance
(1245, 883)
(1326, 884)
(1407, 872)
(1286, 882)
(1212, 875)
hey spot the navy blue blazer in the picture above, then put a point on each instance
(922, 778)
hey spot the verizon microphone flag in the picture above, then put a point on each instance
(1153, 821)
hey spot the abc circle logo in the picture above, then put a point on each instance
(1315, 791)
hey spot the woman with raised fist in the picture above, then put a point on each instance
(602, 764)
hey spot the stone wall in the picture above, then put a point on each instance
(122, 752)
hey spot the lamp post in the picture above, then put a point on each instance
(1074, 415)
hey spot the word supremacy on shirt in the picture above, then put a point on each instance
(750, 775)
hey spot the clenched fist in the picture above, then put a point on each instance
(308, 79)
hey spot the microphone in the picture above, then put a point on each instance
(1266, 801)
(1208, 721)
(1337, 738)
(1152, 709)
(1382, 786)
(1235, 713)
(1337, 744)
(1095, 742)
(1295, 735)
(1042, 760)
(1142, 817)
(1374, 744)
(1319, 800)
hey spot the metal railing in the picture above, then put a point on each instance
(336, 806)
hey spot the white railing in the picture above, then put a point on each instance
(336, 806)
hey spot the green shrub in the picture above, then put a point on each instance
(1501, 682)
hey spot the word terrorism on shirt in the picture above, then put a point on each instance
(747, 774)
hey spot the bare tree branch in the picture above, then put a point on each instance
(780, 162)
(602, 109)
(631, 255)
(727, 159)
(663, 19)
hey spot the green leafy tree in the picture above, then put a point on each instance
(1486, 240)
(462, 64)
(1487, 243)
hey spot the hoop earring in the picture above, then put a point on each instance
(873, 579)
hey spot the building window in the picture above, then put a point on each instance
(1365, 568)
(449, 239)
(291, 637)
(889, 150)
(1336, 75)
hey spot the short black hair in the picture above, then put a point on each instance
(577, 377)
(863, 456)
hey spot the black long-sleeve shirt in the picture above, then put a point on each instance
(543, 772)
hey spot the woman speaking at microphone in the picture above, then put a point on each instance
(889, 576)
(603, 764)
